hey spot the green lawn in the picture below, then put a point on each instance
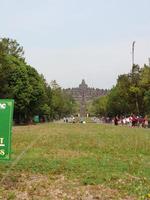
(90, 154)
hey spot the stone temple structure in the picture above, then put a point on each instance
(83, 94)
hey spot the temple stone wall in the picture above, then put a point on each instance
(85, 93)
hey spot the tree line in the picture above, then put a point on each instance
(130, 95)
(32, 94)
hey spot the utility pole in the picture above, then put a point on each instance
(133, 44)
(133, 74)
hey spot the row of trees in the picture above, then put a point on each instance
(131, 94)
(32, 94)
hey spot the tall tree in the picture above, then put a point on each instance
(11, 47)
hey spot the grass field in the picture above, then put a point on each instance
(77, 161)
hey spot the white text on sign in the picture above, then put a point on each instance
(2, 106)
(2, 142)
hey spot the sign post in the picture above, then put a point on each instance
(6, 117)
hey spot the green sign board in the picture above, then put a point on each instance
(6, 117)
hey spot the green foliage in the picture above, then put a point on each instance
(11, 47)
(100, 106)
(117, 105)
(38, 93)
(130, 95)
(62, 103)
(33, 96)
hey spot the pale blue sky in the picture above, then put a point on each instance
(68, 40)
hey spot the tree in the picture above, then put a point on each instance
(20, 82)
(145, 88)
(100, 106)
(38, 93)
(69, 106)
(29, 89)
(14, 83)
(116, 105)
(11, 47)
(134, 89)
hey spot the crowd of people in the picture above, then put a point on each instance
(73, 119)
(132, 121)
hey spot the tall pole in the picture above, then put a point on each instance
(133, 44)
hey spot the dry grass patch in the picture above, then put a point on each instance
(62, 153)
(41, 187)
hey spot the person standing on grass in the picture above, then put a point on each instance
(134, 120)
(116, 119)
(146, 121)
(130, 121)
